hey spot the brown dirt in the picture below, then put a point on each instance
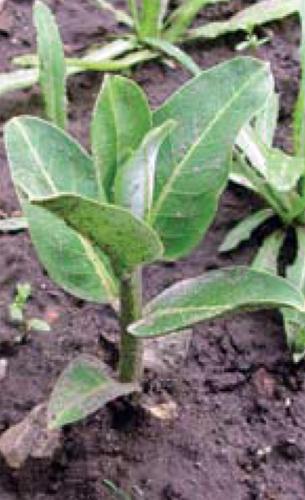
(240, 430)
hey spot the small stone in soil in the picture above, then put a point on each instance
(3, 368)
(29, 438)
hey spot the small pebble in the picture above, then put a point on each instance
(3, 368)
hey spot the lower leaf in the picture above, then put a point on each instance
(214, 294)
(84, 387)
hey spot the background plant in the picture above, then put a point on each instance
(153, 31)
(18, 315)
(148, 193)
(279, 179)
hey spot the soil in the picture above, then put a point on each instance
(239, 433)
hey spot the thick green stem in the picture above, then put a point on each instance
(131, 351)
(182, 18)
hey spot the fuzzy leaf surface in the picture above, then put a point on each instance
(214, 294)
(193, 162)
(126, 240)
(121, 119)
(83, 388)
(134, 184)
(45, 161)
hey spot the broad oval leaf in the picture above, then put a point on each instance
(127, 240)
(83, 388)
(44, 161)
(193, 162)
(52, 68)
(121, 119)
(134, 184)
(70, 259)
(242, 231)
(214, 294)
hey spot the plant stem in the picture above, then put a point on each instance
(182, 18)
(131, 351)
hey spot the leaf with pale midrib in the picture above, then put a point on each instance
(193, 162)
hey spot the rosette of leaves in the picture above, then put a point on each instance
(279, 179)
(147, 193)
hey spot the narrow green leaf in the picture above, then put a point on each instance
(44, 161)
(120, 15)
(299, 113)
(268, 254)
(294, 321)
(266, 120)
(121, 119)
(280, 170)
(183, 16)
(84, 387)
(242, 231)
(258, 14)
(17, 80)
(52, 69)
(127, 240)
(193, 163)
(174, 52)
(151, 17)
(296, 271)
(134, 184)
(13, 224)
(214, 294)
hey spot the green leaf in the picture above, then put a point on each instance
(193, 162)
(45, 161)
(242, 231)
(70, 259)
(266, 120)
(294, 321)
(52, 69)
(258, 14)
(120, 15)
(268, 254)
(183, 16)
(174, 52)
(299, 112)
(120, 121)
(12, 224)
(280, 170)
(214, 294)
(83, 388)
(134, 184)
(151, 18)
(17, 80)
(283, 171)
(127, 240)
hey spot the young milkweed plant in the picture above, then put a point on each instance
(279, 179)
(148, 193)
